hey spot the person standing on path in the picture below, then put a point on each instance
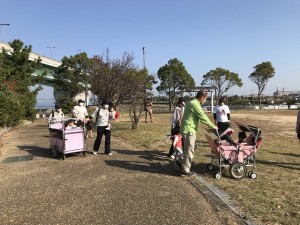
(102, 123)
(298, 125)
(80, 111)
(57, 114)
(193, 114)
(148, 110)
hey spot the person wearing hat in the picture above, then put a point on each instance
(57, 114)
(102, 123)
(79, 111)
(176, 123)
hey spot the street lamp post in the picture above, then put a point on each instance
(51, 51)
(4, 24)
(144, 57)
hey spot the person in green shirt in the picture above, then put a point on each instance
(193, 115)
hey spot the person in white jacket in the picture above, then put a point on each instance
(102, 123)
(56, 115)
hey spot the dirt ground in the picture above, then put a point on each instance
(133, 186)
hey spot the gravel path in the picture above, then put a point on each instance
(133, 186)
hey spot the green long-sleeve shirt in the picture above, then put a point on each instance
(193, 114)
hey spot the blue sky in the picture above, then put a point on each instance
(203, 34)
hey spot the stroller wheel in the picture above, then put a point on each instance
(218, 175)
(238, 170)
(253, 175)
(210, 167)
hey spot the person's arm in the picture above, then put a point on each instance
(298, 123)
(202, 116)
(175, 140)
(173, 119)
(75, 112)
(215, 116)
(228, 116)
(228, 113)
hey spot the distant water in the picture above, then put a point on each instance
(45, 103)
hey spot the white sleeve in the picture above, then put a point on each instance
(227, 108)
(175, 140)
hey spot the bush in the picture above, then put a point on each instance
(11, 109)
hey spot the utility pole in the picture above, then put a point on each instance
(144, 57)
(51, 51)
(4, 24)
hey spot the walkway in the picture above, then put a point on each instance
(131, 187)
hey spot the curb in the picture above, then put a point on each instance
(220, 200)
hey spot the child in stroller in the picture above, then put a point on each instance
(238, 156)
(70, 124)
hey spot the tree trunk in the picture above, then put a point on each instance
(134, 124)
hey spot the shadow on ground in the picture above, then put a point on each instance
(152, 165)
(36, 151)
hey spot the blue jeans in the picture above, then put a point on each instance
(100, 131)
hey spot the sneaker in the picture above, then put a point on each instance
(95, 153)
(189, 174)
(110, 153)
(172, 157)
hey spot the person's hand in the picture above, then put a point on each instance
(216, 127)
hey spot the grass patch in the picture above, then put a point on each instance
(271, 198)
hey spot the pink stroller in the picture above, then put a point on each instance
(64, 140)
(237, 157)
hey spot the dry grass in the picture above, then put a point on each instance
(271, 198)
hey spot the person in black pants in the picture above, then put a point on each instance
(102, 122)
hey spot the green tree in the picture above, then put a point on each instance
(16, 84)
(71, 78)
(173, 79)
(222, 79)
(261, 75)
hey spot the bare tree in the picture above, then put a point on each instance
(108, 76)
(120, 79)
